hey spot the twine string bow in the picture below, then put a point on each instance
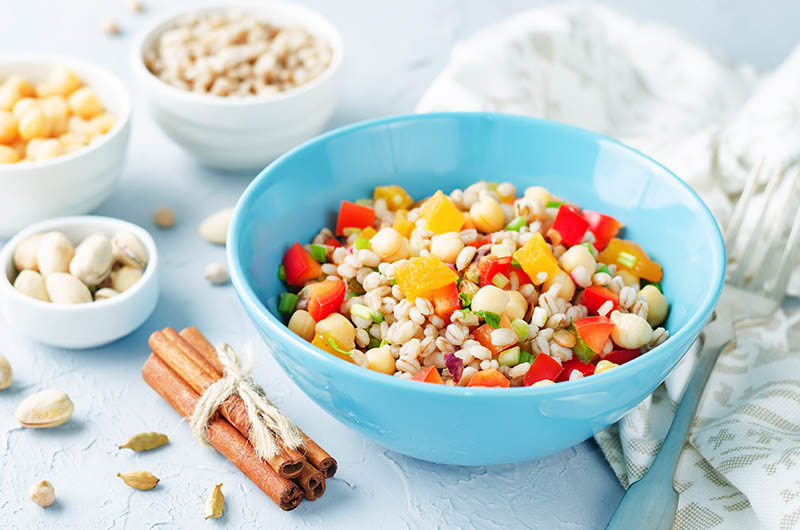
(268, 424)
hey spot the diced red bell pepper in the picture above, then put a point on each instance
(300, 266)
(570, 225)
(594, 331)
(491, 377)
(621, 356)
(352, 215)
(604, 227)
(484, 335)
(522, 276)
(575, 364)
(445, 300)
(478, 243)
(543, 367)
(333, 242)
(491, 265)
(595, 296)
(428, 375)
(325, 298)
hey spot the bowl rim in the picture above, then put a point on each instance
(54, 60)
(92, 221)
(159, 24)
(256, 309)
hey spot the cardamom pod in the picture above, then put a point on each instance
(144, 441)
(140, 480)
(215, 503)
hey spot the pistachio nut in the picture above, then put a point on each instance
(93, 259)
(30, 282)
(140, 480)
(128, 250)
(48, 408)
(104, 294)
(25, 253)
(145, 441)
(123, 278)
(217, 274)
(65, 288)
(43, 493)
(54, 253)
(215, 503)
(215, 227)
(6, 375)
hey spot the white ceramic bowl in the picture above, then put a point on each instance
(80, 325)
(243, 132)
(75, 183)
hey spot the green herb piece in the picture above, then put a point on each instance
(493, 319)
(351, 294)
(377, 317)
(373, 342)
(626, 259)
(287, 303)
(500, 280)
(516, 224)
(466, 301)
(657, 285)
(603, 268)
(383, 343)
(364, 202)
(392, 282)
(521, 328)
(376, 269)
(362, 242)
(553, 204)
(510, 357)
(332, 344)
(525, 357)
(515, 263)
(282, 273)
(458, 282)
(318, 253)
(592, 250)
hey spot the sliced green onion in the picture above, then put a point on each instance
(493, 319)
(362, 242)
(383, 343)
(521, 328)
(287, 303)
(377, 317)
(603, 268)
(318, 253)
(581, 350)
(515, 263)
(392, 282)
(516, 224)
(458, 282)
(332, 344)
(360, 310)
(553, 204)
(590, 247)
(626, 259)
(525, 357)
(376, 269)
(510, 357)
(364, 201)
(466, 301)
(282, 273)
(500, 280)
(350, 230)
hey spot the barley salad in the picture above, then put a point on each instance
(476, 288)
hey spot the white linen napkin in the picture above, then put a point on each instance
(710, 121)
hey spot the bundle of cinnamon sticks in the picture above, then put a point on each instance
(182, 366)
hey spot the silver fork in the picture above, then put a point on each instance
(750, 293)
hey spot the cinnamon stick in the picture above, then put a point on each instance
(312, 481)
(221, 435)
(320, 458)
(200, 374)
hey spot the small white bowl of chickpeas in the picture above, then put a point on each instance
(64, 129)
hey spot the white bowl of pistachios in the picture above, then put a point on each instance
(79, 282)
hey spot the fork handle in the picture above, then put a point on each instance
(651, 502)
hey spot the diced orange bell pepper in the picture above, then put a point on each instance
(441, 214)
(368, 232)
(629, 256)
(535, 257)
(322, 342)
(421, 275)
(395, 197)
(491, 377)
(401, 223)
(428, 375)
(484, 335)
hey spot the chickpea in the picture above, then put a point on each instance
(490, 298)
(56, 111)
(578, 256)
(61, 82)
(381, 360)
(447, 246)
(390, 245)
(8, 127)
(631, 331)
(103, 123)
(85, 103)
(517, 305)
(15, 88)
(537, 193)
(23, 105)
(339, 328)
(567, 290)
(657, 305)
(33, 124)
(8, 155)
(604, 365)
(487, 215)
(302, 324)
(44, 149)
(628, 278)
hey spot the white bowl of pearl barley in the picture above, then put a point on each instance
(64, 129)
(238, 85)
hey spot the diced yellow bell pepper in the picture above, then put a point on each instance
(401, 223)
(441, 214)
(627, 255)
(395, 197)
(321, 342)
(420, 276)
(368, 232)
(536, 257)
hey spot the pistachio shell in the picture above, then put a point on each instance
(43, 493)
(65, 288)
(140, 480)
(54, 253)
(104, 294)
(93, 259)
(123, 278)
(25, 253)
(128, 250)
(30, 282)
(215, 227)
(6, 374)
(145, 441)
(215, 503)
(48, 408)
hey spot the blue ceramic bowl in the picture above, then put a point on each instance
(300, 192)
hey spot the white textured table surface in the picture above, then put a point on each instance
(392, 53)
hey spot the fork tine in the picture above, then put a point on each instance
(787, 260)
(752, 242)
(739, 211)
